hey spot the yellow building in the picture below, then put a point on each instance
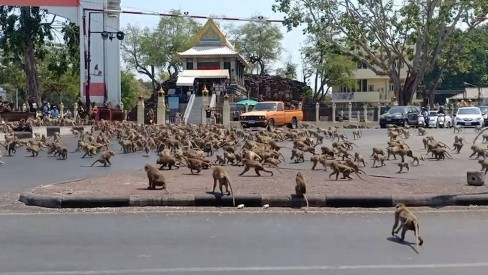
(370, 87)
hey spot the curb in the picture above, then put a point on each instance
(250, 200)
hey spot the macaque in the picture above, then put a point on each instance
(301, 187)
(104, 158)
(155, 177)
(403, 165)
(248, 163)
(406, 220)
(220, 175)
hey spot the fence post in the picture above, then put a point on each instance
(204, 104)
(140, 110)
(75, 110)
(161, 111)
(226, 111)
(317, 113)
(350, 111)
(333, 112)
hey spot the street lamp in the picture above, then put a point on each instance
(479, 91)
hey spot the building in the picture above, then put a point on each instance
(370, 87)
(212, 62)
(471, 95)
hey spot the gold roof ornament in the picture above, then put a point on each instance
(205, 91)
(161, 92)
(141, 97)
(226, 96)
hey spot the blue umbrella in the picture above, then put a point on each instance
(249, 102)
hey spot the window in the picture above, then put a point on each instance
(370, 88)
(364, 86)
(279, 107)
(189, 65)
(227, 65)
(362, 65)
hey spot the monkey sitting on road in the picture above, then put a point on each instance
(104, 158)
(301, 187)
(220, 175)
(406, 220)
(403, 165)
(155, 177)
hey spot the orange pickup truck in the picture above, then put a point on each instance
(271, 114)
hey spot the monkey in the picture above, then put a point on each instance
(484, 165)
(297, 154)
(62, 153)
(208, 148)
(358, 158)
(353, 165)
(457, 128)
(230, 157)
(219, 160)
(196, 165)
(272, 161)
(441, 153)
(378, 158)
(478, 128)
(90, 151)
(422, 131)
(155, 177)
(1, 162)
(147, 150)
(357, 134)
(406, 220)
(167, 160)
(327, 151)
(318, 158)
(248, 163)
(457, 147)
(417, 159)
(220, 175)
(403, 165)
(344, 169)
(104, 158)
(34, 149)
(485, 138)
(479, 150)
(377, 151)
(301, 188)
(127, 146)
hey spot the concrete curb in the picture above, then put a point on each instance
(215, 200)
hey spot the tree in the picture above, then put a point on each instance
(259, 42)
(421, 34)
(289, 70)
(151, 52)
(23, 32)
(130, 89)
(326, 67)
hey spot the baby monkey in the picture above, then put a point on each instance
(403, 165)
(301, 188)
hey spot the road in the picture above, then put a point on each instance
(237, 243)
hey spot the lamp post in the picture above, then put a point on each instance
(479, 91)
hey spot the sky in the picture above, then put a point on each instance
(291, 43)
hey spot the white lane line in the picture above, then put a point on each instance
(250, 269)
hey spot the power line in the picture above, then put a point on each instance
(187, 15)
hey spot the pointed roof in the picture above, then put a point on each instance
(210, 40)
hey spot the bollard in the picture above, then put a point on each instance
(61, 109)
(334, 106)
(317, 113)
(365, 112)
(226, 111)
(379, 111)
(75, 110)
(140, 110)
(350, 111)
(161, 111)
(204, 104)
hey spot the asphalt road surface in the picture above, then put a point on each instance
(23, 172)
(238, 243)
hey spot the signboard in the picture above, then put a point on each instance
(174, 103)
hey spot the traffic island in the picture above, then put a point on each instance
(193, 190)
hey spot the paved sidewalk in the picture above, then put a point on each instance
(378, 189)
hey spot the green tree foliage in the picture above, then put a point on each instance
(259, 42)
(23, 32)
(420, 34)
(151, 52)
(131, 88)
(326, 68)
(289, 70)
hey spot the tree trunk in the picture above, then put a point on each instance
(261, 68)
(31, 71)
(408, 90)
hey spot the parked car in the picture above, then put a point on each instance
(469, 116)
(271, 114)
(437, 120)
(401, 116)
(484, 112)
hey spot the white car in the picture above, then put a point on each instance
(469, 116)
(437, 120)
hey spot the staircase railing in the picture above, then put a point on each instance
(189, 106)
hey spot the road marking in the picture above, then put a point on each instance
(250, 269)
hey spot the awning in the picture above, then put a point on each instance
(205, 74)
(185, 80)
